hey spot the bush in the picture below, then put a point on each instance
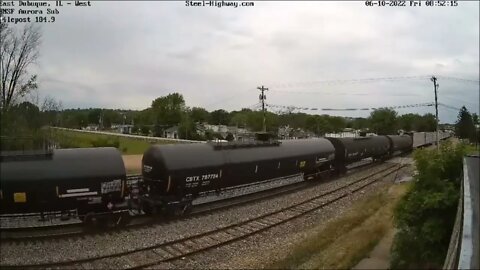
(105, 142)
(425, 216)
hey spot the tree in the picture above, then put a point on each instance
(145, 130)
(168, 110)
(94, 116)
(186, 128)
(337, 123)
(18, 50)
(239, 119)
(199, 115)
(426, 123)
(360, 123)
(475, 119)
(406, 122)
(50, 104)
(383, 121)
(219, 117)
(230, 137)
(464, 128)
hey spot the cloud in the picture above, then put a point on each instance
(125, 54)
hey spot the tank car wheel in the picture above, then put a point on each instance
(114, 220)
(90, 219)
(149, 209)
(122, 219)
(178, 210)
(187, 208)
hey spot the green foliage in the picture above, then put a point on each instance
(199, 115)
(73, 139)
(219, 117)
(415, 122)
(135, 129)
(475, 119)
(406, 121)
(464, 128)
(360, 123)
(168, 110)
(144, 130)
(229, 137)
(186, 129)
(426, 123)
(319, 124)
(20, 128)
(106, 142)
(383, 121)
(425, 216)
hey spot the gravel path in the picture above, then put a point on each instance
(14, 253)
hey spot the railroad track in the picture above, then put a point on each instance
(184, 247)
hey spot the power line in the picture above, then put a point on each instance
(448, 96)
(449, 107)
(365, 80)
(459, 79)
(338, 94)
(290, 107)
(254, 106)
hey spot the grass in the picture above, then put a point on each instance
(472, 149)
(128, 146)
(342, 243)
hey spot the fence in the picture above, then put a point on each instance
(463, 252)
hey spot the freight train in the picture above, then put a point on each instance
(93, 180)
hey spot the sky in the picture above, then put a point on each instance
(123, 55)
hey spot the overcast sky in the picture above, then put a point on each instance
(121, 54)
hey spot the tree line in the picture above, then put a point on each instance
(171, 110)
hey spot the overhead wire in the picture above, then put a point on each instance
(290, 107)
(459, 79)
(364, 80)
(449, 107)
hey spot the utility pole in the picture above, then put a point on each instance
(435, 86)
(262, 97)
